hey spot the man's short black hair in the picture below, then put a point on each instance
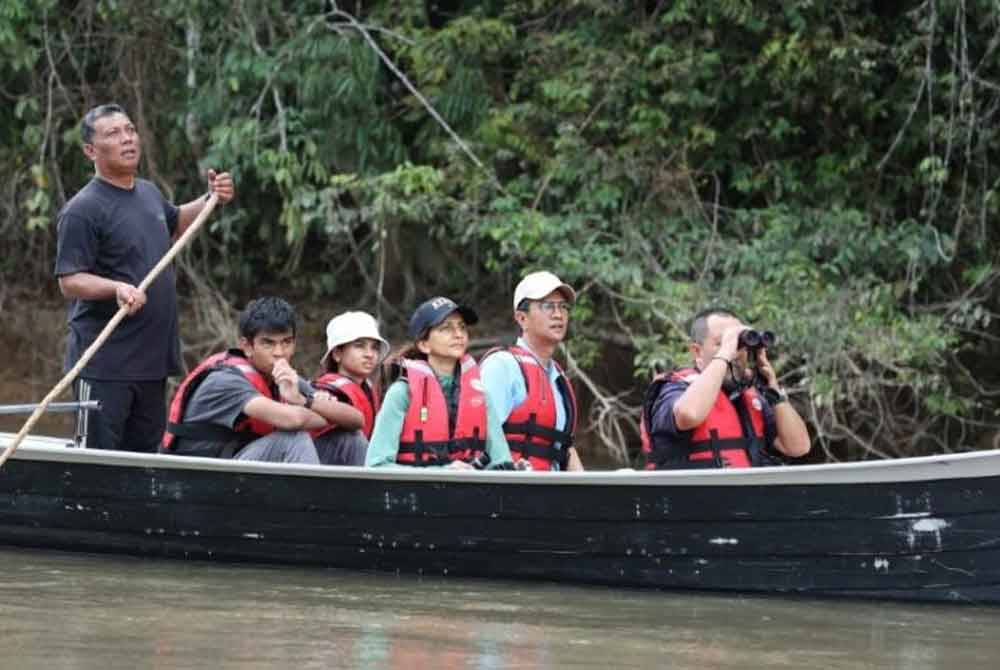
(698, 330)
(99, 112)
(267, 315)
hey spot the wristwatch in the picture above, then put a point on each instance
(775, 396)
(309, 400)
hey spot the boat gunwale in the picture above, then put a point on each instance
(967, 465)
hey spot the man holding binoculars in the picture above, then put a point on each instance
(726, 411)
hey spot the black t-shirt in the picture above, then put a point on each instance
(121, 234)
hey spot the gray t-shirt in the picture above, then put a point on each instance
(120, 234)
(219, 400)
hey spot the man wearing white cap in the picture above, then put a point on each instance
(354, 349)
(526, 386)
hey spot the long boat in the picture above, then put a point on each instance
(912, 529)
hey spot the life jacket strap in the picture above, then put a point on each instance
(531, 428)
(705, 454)
(547, 452)
(440, 453)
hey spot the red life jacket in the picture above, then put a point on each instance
(430, 435)
(246, 430)
(531, 427)
(723, 440)
(646, 416)
(360, 396)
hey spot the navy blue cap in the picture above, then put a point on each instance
(433, 312)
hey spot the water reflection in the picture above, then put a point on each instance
(82, 612)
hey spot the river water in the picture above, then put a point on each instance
(76, 612)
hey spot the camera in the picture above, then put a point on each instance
(753, 340)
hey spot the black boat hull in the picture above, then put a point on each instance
(919, 529)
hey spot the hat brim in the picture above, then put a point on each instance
(567, 292)
(467, 313)
(542, 291)
(383, 348)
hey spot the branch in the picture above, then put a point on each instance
(416, 92)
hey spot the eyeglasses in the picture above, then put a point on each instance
(550, 306)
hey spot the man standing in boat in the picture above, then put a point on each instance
(249, 403)
(110, 235)
(526, 386)
(709, 416)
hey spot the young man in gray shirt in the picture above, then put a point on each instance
(249, 403)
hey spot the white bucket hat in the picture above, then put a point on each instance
(350, 326)
(537, 285)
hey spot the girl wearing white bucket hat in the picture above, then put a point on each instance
(354, 350)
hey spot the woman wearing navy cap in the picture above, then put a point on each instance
(436, 413)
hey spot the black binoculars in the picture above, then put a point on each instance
(757, 339)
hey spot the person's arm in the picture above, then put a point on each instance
(693, 406)
(87, 286)
(496, 442)
(225, 396)
(77, 250)
(283, 416)
(792, 435)
(337, 413)
(289, 411)
(499, 373)
(384, 443)
(573, 462)
(221, 184)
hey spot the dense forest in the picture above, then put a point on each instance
(827, 169)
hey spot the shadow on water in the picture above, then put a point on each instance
(82, 611)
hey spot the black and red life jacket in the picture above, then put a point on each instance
(731, 436)
(430, 435)
(246, 430)
(646, 416)
(360, 396)
(531, 427)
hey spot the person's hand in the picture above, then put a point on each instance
(459, 465)
(222, 185)
(287, 379)
(129, 297)
(765, 368)
(731, 341)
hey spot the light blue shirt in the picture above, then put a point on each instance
(505, 389)
(383, 448)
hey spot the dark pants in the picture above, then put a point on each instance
(341, 447)
(133, 415)
(281, 446)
